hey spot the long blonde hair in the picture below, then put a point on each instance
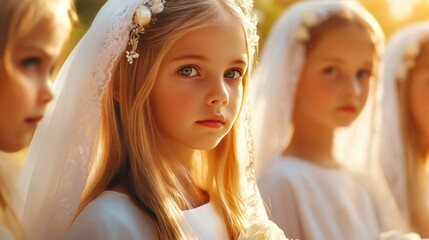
(17, 18)
(415, 161)
(127, 151)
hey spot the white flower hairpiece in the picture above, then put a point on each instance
(309, 19)
(143, 16)
(266, 230)
(408, 59)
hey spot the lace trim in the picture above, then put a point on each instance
(82, 143)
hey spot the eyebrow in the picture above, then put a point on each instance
(240, 61)
(333, 59)
(39, 50)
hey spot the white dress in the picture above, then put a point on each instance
(113, 215)
(312, 202)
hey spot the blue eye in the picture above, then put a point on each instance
(188, 71)
(233, 73)
(31, 62)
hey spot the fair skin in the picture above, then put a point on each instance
(198, 92)
(25, 92)
(419, 94)
(331, 93)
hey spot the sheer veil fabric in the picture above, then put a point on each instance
(275, 85)
(390, 150)
(57, 164)
(56, 167)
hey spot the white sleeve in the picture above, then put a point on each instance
(103, 225)
(278, 195)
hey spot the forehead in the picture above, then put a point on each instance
(344, 42)
(225, 39)
(46, 36)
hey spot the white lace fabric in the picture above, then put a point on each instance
(56, 167)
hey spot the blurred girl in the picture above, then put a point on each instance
(314, 105)
(32, 34)
(404, 139)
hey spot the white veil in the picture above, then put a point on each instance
(390, 144)
(56, 168)
(275, 85)
(57, 164)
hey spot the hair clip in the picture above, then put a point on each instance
(142, 17)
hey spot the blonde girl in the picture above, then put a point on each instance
(32, 34)
(403, 147)
(314, 107)
(149, 100)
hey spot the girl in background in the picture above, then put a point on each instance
(145, 120)
(403, 144)
(314, 102)
(32, 35)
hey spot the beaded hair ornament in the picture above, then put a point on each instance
(148, 9)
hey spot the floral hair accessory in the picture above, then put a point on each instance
(142, 17)
(309, 20)
(264, 230)
(408, 59)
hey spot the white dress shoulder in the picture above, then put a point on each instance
(312, 202)
(113, 215)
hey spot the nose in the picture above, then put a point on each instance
(353, 87)
(45, 91)
(218, 93)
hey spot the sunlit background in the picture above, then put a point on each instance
(391, 14)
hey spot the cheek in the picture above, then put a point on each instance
(175, 102)
(420, 108)
(364, 92)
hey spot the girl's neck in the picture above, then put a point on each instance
(313, 144)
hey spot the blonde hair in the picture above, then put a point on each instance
(128, 152)
(17, 18)
(415, 160)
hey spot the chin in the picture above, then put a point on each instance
(207, 145)
(15, 146)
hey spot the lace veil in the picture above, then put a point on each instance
(275, 85)
(57, 164)
(390, 148)
(56, 168)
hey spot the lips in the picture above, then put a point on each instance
(213, 121)
(348, 108)
(33, 120)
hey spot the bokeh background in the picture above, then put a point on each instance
(391, 14)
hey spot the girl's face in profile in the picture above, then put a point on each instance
(419, 92)
(199, 88)
(25, 91)
(334, 83)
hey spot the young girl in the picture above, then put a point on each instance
(151, 95)
(32, 34)
(314, 100)
(404, 133)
